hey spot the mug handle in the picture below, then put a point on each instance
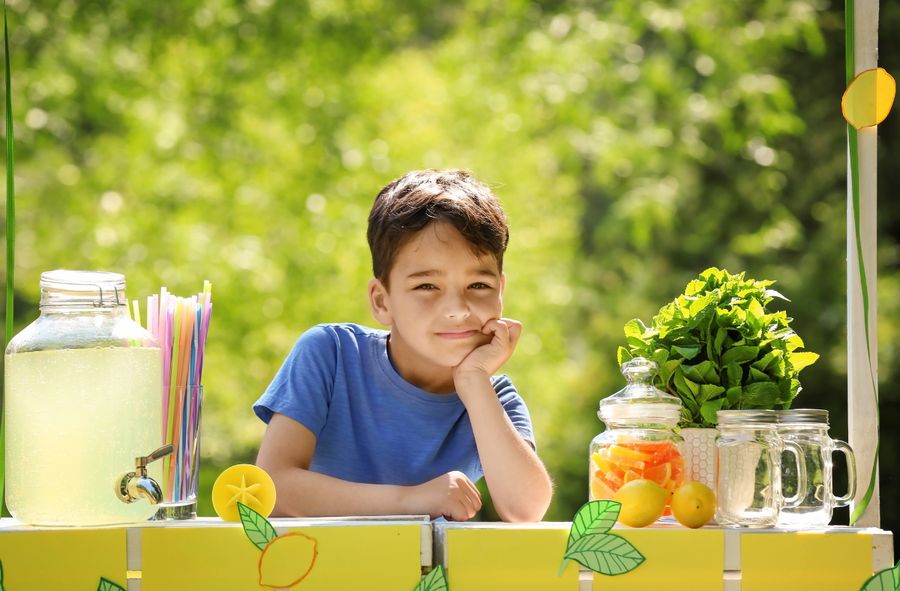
(800, 495)
(844, 448)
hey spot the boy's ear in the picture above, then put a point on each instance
(378, 301)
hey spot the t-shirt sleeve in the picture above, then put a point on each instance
(515, 408)
(303, 386)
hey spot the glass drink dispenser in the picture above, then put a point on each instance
(83, 413)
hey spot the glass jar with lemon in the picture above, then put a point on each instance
(639, 443)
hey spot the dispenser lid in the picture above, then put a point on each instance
(63, 287)
(639, 397)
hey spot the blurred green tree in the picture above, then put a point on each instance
(633, 145)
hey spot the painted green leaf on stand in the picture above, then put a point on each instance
(436, 580)
(594, 517)
(257, 528)
(886, 580)
(107, 585)
(608, 554)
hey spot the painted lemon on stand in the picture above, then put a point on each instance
(287, 560)
(244, 483)
(643, 502)
(693, 504)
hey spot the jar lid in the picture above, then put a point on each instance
(63, 287)
(803, 415)
(746, 417)
(640, 398)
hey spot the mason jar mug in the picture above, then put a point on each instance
(748, 484)
(808, 428)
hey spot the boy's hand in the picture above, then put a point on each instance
(488, 358)
(452, 495)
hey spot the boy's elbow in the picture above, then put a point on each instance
(527, 510)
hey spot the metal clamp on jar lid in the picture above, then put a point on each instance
(640, 398)
(737, 418)
(803, 415)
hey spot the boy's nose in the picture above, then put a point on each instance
(456, 307)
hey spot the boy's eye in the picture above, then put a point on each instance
(480, 285)
(425, 286)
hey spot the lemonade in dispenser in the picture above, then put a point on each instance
(639, 441)
(82, 408)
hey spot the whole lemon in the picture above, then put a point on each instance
(643, 502)
(693, 504)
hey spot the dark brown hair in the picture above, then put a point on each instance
(418, 198)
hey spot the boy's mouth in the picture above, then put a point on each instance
(458, 334)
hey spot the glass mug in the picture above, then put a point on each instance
(808, 428)
(748, 484)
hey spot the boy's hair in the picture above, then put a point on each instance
(418, 198)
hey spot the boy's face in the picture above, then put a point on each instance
(441, 294)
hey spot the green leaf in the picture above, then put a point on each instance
(756, 310)
(734, 395)
(885, 580)
(801, 360)
(635, 328)
(435, 580)
(10, 239)
(760, 395)
(685, 386)
(107, 585)
(703, 373)
(594, 517)
(734, 374)
(694, 287)
(623, 355)
(687, 352)
(637, 345)
(763, 362)
(667, 370)
(721, 335)
(10, 205)
(708, 392)
(608, 554)
(708, 409)
(757, 376)
(697, 306)
(660, 356)
(740, 355)
(257, 528)
(793, 342)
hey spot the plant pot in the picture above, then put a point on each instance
(700, 455)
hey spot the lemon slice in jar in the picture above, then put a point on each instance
(244, 483)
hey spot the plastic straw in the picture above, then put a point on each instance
(180, 326)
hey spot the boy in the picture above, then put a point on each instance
(370, 422)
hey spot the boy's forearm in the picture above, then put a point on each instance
(302, 493)
(520, 486)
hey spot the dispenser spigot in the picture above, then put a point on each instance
(132, 486)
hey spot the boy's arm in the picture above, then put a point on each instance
(520, 486)
(286, 452)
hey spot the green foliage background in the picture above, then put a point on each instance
(633, 144)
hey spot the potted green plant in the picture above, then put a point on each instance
(720, 346)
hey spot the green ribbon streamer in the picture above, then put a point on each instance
(10, 242)
(853, 142)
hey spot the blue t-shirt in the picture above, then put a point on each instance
(370, 424)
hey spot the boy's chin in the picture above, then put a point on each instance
(453, 361)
